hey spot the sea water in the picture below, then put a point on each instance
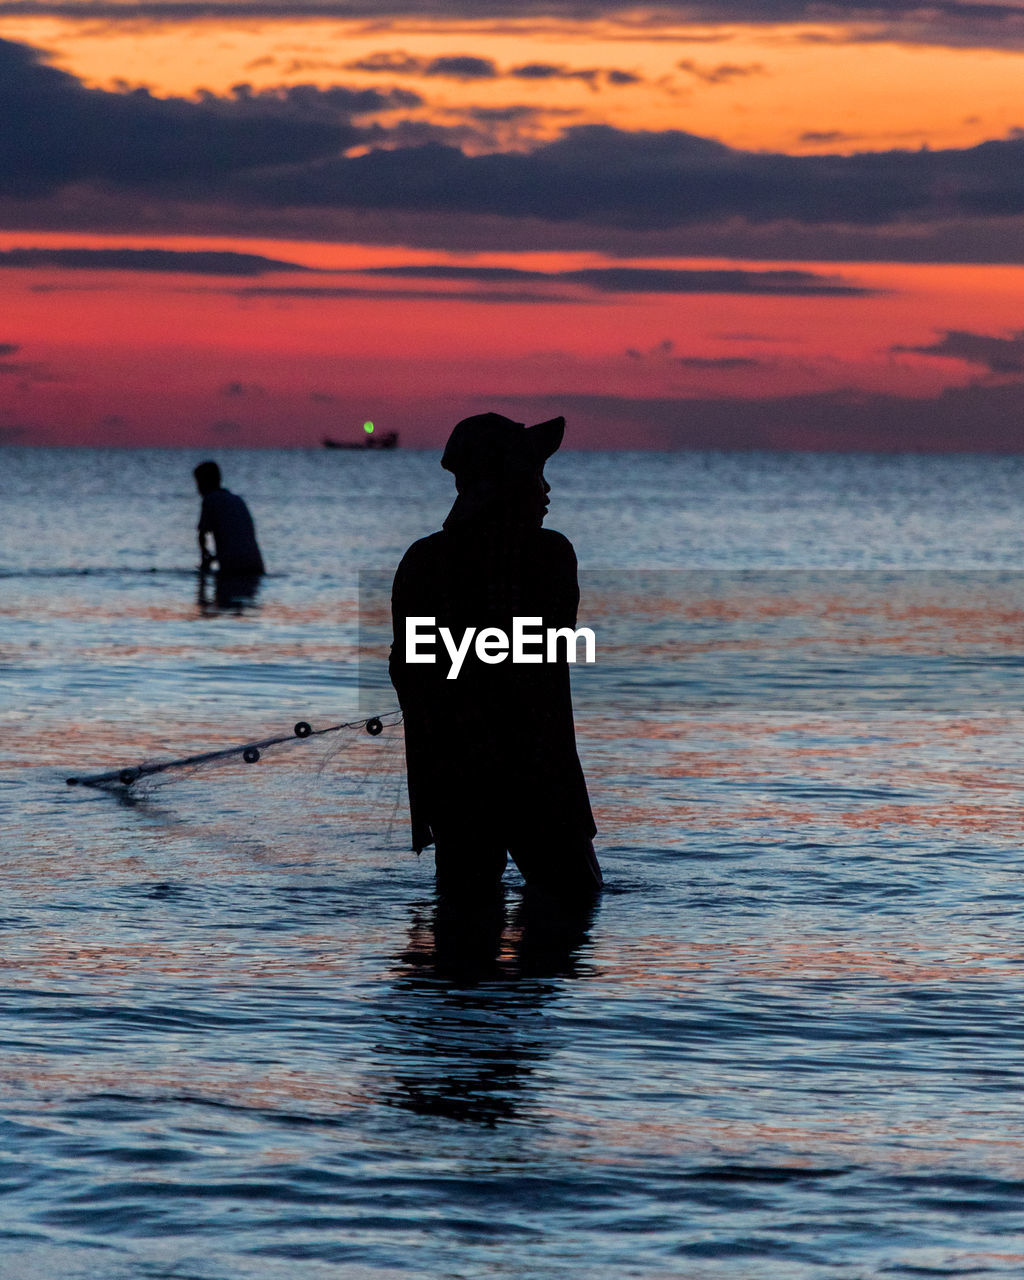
(238, 1038)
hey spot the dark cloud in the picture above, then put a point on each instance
(593, 76)
(723, 73)
(664, 280)
(444, 271)
(459, 66)
(431, 295)
(396, 63)
(966, 240)
(298, 66)
(746, 335)
(505, 115)
(662, 350)
(549, 71)
(565, 286)
(234, 390)
(825, 137)
(641, 279)
(275, 159)
(949, 23)
(462, 67)
(57, 132)
(648, 181)
(27, 373)
(518, 113)
(710, 37)
(191, 262)
(717, 362)
(469, 67)
(474, 134)
(974, 240)
(999, 23)
(998, 355)
(554, 71)
(996, 24)
(976, 419)
(665, 351)
(538, 71)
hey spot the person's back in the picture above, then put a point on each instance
(226, 519)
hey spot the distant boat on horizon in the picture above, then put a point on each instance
(387, 440)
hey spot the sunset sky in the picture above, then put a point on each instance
(234, 223)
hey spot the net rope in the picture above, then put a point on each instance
(127, 776)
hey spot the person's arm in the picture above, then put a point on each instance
(563, 583)
(401, 607)
(206, 556)
(414, 594)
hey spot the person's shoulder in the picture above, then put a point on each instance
(555, 545)
(427, 549)
(553, 538)
(429, 545)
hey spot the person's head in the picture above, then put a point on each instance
(498, 466)
(207, 476)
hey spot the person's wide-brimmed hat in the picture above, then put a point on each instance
(487, 447)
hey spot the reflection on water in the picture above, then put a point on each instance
(463, 1017)
(227, 593)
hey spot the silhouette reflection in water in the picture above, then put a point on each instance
(226, 593)
(491, 754)
(464, 1024)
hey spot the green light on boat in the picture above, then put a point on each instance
(368, 428)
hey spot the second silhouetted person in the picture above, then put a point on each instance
(225, 518)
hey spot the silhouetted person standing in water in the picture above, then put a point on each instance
(491, 754)
(225, 518)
